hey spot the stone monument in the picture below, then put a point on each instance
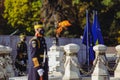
(117, 70)
(56, 62)
(72, 71)
(6, 65)
(100, 72)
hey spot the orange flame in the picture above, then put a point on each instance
(62, 25)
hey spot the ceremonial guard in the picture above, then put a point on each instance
(22, 57)
(38, 61)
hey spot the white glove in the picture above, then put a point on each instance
(22, 62)
(40, 72)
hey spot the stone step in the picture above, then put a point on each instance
(83, 78)
(55, 76)
(19, 78)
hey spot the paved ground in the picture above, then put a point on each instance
(18, 78)
(26, 78)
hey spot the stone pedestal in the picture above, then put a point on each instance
(56, 62)
(100, 72)
(71, 70)
(6, 66)
(117, 70)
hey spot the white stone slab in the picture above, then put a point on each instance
(19, 78)
(55, 61)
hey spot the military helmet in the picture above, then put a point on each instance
(22, 35)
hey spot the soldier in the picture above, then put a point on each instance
(38, 62)
(21, 58)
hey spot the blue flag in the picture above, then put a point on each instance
(96, 31)
(88, 40)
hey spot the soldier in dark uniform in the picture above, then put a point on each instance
(38, 56)
(21, 58)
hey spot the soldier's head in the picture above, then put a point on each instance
(22, 37)
(39, 29)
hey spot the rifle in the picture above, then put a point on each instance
(14, 32)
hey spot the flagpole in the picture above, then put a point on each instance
(87, 47)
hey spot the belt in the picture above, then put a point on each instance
(43, 56)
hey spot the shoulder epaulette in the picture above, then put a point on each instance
(18, 44)
(35, 39)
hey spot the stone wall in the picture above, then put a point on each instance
(11, 41)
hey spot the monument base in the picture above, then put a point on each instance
(55, 76)
(19, 78)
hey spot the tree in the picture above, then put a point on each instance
(59, 10)
(21, 14)
(109, 19)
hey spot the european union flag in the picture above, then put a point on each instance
(88, 40)
(96, 31)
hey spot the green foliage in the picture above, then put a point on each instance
(22, 13)
(107, 2)
(118, 15)
(75, 2)
(15, 10)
